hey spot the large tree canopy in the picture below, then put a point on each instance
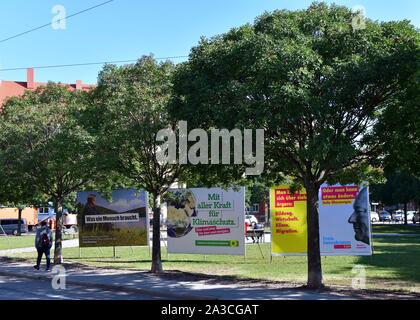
(311, 82)
(45, 147)
(130, 107)
(399, 129)
(400, 188)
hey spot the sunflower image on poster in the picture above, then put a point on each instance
(181, 208)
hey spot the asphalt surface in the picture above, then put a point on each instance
(19, 281)
(15, 288)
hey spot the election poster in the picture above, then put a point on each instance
(288, 221)
(119, 221)
(206, 221)
(344, 220)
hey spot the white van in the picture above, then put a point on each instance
(416, 217)
(374, 216)
(10, 226)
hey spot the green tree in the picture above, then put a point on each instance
(48, 149)
(399, 130)
(130, 108)
(312, 82)
(257, 192)
(401, 188)
(14, 192)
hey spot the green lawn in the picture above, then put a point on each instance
(394, 266)
(24, 241)
(12, 242)
(397, 228)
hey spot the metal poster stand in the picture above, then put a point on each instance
(100, 250)
(165, 243)
(258, 242)
(370, 224)
(245, 238)
(149, 246)
(150, 249)
(254, 235)
(270, 225)
(371, 246)
(5, 235)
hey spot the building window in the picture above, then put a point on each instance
(256, 207)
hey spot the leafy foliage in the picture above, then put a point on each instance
(400, 187)
(130, 107)
(47, 152)
(315, 85)
(399, 129)
(307, 78)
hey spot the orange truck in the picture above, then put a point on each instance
(29, 214)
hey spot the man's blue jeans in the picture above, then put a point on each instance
(42, 251)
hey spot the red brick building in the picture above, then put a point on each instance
(260, 211)
(10, 89)
(16, 88)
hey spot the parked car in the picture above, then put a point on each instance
(29, 214)
(410, 215)
(374, 216)
(10, 226)
(250, 219)
(398, 216)
(385, 216)
(416, 217)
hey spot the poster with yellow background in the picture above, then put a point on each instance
(288, 226)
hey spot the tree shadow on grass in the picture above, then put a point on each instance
(117, 261)
(400, 255)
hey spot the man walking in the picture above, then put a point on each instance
(43, 243)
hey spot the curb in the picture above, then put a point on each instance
(110, 287)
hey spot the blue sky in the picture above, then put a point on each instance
(122, 200)
(127, 29)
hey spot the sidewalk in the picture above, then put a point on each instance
(162, 286)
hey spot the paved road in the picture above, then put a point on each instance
(18, 280)
(14, 288)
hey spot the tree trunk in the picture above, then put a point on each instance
(405, 213)
(156, 256)
(58, 258)
(19, 229)
(314, 254)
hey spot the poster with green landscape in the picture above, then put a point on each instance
(119, 221)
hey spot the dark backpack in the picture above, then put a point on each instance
(45, 240)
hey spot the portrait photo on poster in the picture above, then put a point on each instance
(360, 216)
